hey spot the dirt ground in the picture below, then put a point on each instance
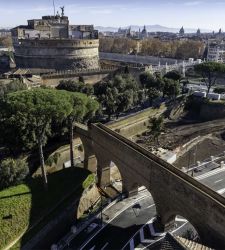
(177, 134)
(201, 151)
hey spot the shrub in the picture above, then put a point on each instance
(219, 90)
(12, 172)
(89, 181)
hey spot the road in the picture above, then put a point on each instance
(215, 180)
(121, 228)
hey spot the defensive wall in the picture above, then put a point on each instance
(137, 59)
(57, 54)
(91, 76)
(174, 192)
(136, 123)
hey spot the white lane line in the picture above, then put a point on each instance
(221, 191)
(218, 181)
(211, 173)
(116, 215)
(179, 227)
(106, 244)
(150, 206)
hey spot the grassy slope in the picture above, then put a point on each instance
(28, 202)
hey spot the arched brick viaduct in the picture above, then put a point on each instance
(174, 192)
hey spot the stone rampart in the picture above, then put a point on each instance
(57, 54)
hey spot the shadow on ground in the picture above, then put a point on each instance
(57, 204)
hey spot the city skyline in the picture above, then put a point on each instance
(190, 13)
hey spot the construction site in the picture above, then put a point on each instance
(186, 141)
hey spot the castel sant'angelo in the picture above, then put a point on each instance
(51, 43)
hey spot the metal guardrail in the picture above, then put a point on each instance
(78, 71)
(205, 162)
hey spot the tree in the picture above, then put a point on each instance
(219, 90)
(153, 93)
(6, 41)
(83, 108)
(157, 127)
(13, 86)
(73, 86)
(148, 80)
(174, 75)
(171, 88)
(210, 72)
(12, 172)
(81, 79)
(118, 94)
(31, 113)
(126, 70)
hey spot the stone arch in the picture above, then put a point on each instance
(104, 159)
(115, 177)
(170, 217)
(191, 232)
(89, 158)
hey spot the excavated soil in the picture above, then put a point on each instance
(177, 134)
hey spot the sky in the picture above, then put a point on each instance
(205, 14)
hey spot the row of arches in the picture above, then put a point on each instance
(110, 174)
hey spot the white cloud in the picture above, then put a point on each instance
(193, 3)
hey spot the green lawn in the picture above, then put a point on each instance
(22, 206)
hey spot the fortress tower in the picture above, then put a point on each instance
(51, 43)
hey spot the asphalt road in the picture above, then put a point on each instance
(119, 231)
(216, 181)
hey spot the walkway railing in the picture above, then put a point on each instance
(78, 72)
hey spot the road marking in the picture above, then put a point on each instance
(150, 206)
(218, 181)
(221, 191)
(211, 173)
(116, 215)
(106, 244)
(174, 231)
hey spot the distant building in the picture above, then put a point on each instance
(124, 33)
(198, 32)
(5, 32)
(82, 32)
(144, 33)
(52, 43)
(216, 51)
(181, 32)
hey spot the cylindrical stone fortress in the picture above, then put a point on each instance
(59, 54)
(51, 43)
